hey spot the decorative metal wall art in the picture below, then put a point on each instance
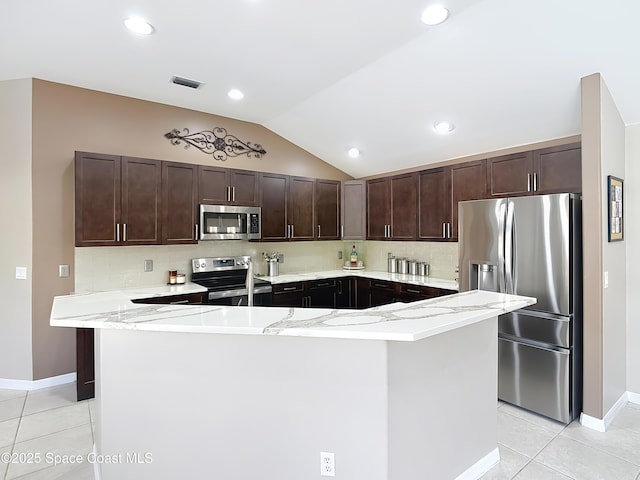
(216, 142)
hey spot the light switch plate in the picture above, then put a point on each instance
(21, 273)
(606, 279)
(63, 271)
(148, 265)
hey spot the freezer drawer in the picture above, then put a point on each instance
(539, 327)
(535, 378)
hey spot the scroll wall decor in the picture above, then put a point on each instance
(216, 142)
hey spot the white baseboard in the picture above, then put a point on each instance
(10, 384)
(482, 466)
(634, 397)
(601, 425)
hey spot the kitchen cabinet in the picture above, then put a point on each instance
(199, 298)
(344, 289)
(179, 203)
(117, 200)
(558, 169)
(353, 209)
(327, 208)
(440, 190)
(301, 208)
(392, 207)
(413, 293)
(274, 195)
(382, 293)
(321, 293)
(288, 207)
(85, 364)
(538, 172)
(291, 294)
(361, 293)
(225, 186)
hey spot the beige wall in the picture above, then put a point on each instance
(66, 119)
(603, 153)
(632, 239)
(17, 234)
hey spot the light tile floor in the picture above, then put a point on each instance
(50, 422)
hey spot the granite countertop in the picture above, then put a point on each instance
(375, 275)
(397, 321)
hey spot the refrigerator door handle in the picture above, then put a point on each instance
(509, 247)
(501, 247)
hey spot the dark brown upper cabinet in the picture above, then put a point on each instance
(224, 186)
(327, 208)
(274, 203)
(301, 209)
(179, 203)
(117, 200)
(558, 169)
(354, 210)
(392, 207)
(440, 190)
(538, 172)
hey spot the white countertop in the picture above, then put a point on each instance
(375, 275)
(397, 321)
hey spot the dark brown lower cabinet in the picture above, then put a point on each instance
(86, 376)
(322, 293)
(382, 293)
(288, 294)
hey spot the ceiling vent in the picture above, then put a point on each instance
(185, 82)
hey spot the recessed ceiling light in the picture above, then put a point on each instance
(435, 15)
(139, 25)
(353, 152)
(443, 127)
(235, 94)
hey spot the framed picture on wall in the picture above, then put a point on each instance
(615, 201)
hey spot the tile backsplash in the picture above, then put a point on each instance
(110, 268)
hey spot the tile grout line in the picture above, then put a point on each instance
(15, 436)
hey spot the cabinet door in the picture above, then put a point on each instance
(302, 199)
(343, 292)
(288, 294)
(85, 364)
(322, 293)
(378, 208)
(179, 203)
(468, 182)
(327, 209)
(354, 210)
(361, 293)
(558, 169)
(434, 203)
(510, 175)
(97, 199)
(274, 206)
(382, 293)
(140, 201)
(245, 187)
(213, 185)
(403, 207)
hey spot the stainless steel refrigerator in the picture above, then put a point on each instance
(531, 246)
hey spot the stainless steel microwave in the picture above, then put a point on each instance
(227, 222)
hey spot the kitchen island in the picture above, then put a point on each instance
(402, 391)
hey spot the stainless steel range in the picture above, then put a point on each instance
(226, 280)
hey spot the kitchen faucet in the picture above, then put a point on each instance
(249, 282)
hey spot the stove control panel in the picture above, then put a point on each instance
(214, 264)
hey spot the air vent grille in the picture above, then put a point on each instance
(185, 82)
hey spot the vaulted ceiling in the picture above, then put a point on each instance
(334, 74)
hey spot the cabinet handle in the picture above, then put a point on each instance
(411, 290)
(233, 189)
(380, 285)
(196, 225)
(117, 232)
(320, 285)
(340, 288)
(448, 230)
(318, 231)
(535, 182)
(288, 289)
(179, 302)
(292, 231)
(341, 231)
(444, 230)
(528, 182)
(124, 232)
(390, 231)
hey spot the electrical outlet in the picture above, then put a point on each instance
(339, 254)
(63, 271)
(148, 265)
(281, 258)
(327, 464)
(21, 273)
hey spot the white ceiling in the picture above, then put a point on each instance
(333, 74)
